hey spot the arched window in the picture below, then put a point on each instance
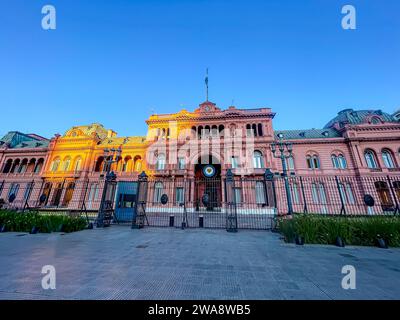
(342, 162)
(99, 164)
(44, 197)
(126, 166)
(335, 161)
(31, 165)
(387, 158)
(312, 161)
(78, 163)
(15, 165)
(339, 161)
(55, 165)
(138, 164)
(258, 160)
(68, 194)
(385, 198)
(200, 132)
(158, 191)
(221, 130)
(66, 164)
(7, 166)
(55, 201)
(260, 130)
(23, 166)
(214, 131)
(207, 131)
(249, 132)
(39, 165)
(160, 164)
(254, 128)
(370, 159)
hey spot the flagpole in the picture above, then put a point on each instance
(206, 81)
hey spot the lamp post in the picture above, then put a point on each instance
(285, 151)
(110, 156)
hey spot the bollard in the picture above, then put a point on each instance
(171, 220)
(201, 221)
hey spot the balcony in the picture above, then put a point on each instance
(62, 174)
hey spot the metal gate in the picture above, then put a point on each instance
(226, 203)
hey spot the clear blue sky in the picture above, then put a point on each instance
(114, 62)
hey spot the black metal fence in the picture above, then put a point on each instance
(230, 202)
(339, 194)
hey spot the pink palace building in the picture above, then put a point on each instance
(328, 170)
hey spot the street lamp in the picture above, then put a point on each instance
(105, 212)
(285, 152)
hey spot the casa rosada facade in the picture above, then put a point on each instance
(203, 144)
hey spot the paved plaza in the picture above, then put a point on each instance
(169, 263)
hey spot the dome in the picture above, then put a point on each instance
(350, 116)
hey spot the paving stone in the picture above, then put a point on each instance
(169, 263)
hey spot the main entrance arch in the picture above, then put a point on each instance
(207, 172)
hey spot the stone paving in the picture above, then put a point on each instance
(169, 263)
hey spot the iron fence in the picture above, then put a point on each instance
(229, 202)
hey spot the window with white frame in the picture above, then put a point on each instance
(258, 160)
(312, 162)
(158, 192)
(55, 164)
(66, 164)
(181, 163)
(295, 193)
(78, 163)
(238, 195)
(339, 161)
(234, 162)
(260, 192)
(387, 158)
(290, 163)
(370, 159)
(14, 188)
(160, 165)
(179, 195)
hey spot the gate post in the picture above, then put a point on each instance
(231, 215)
(140, 205)
(106, 209)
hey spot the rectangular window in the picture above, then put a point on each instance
(295, 194)
(27, 191)
(290, 163)
(234, 162)
(260, 193)
(179, 195)
(238, 195)
(14, 188)
(181, 163)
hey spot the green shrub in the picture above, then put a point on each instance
(24, 222)
(324, 229)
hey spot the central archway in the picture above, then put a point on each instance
(207, 172)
